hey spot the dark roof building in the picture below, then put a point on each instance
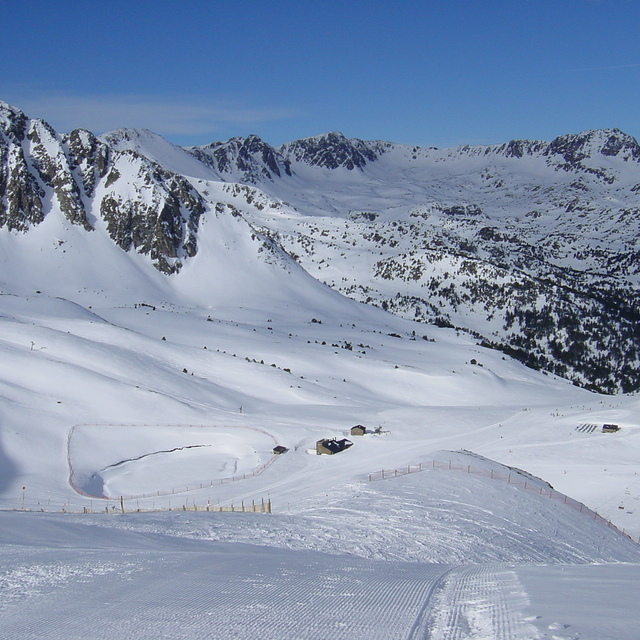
(329, 446)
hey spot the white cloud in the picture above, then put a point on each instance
(166, 116)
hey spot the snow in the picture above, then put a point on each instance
(133, 461)
(367, 561)
(121, 387)
(157, 149)
(439, 551)
(592, 602)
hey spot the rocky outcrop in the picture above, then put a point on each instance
(243, 160)
(88, 158)
(332, 151)
(20, 192)
(145, 207)
(48, 158)
(157, 214)
(575, 148)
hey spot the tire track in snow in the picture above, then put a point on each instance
(480, 602)
(421, 626)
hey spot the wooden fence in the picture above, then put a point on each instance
(123, 505)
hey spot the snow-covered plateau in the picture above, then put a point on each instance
(169, 316)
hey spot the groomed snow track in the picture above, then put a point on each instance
(213, 591)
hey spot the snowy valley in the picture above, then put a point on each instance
(168, 316)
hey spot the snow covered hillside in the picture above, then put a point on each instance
(165, 404)
(531, 246)
(158, 338)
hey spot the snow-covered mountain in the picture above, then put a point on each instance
(531, 246)
(169, 315)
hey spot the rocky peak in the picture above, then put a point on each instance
(128, 138)
(20, 192)
(247, 159)
(12, 122)
(48, 157)
(332, 150)
(157, 213)
(574, 148)
(620, 144)
(518, 148)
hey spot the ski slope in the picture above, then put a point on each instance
(435, 554)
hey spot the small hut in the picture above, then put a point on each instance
(610, 428)
(329, 446)
(279, 450)
(358, 430)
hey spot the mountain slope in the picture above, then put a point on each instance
(531, 246)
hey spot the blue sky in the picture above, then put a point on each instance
(438, 73)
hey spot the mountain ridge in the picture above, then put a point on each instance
(531, 246)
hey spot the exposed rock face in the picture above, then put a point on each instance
(154, 211)
(88, 158)
(20, 193)
(157, 216)
(332, 151)
(50, 161)
(575, 148)
(243, 159)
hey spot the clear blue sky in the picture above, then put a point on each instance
(436, 73)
